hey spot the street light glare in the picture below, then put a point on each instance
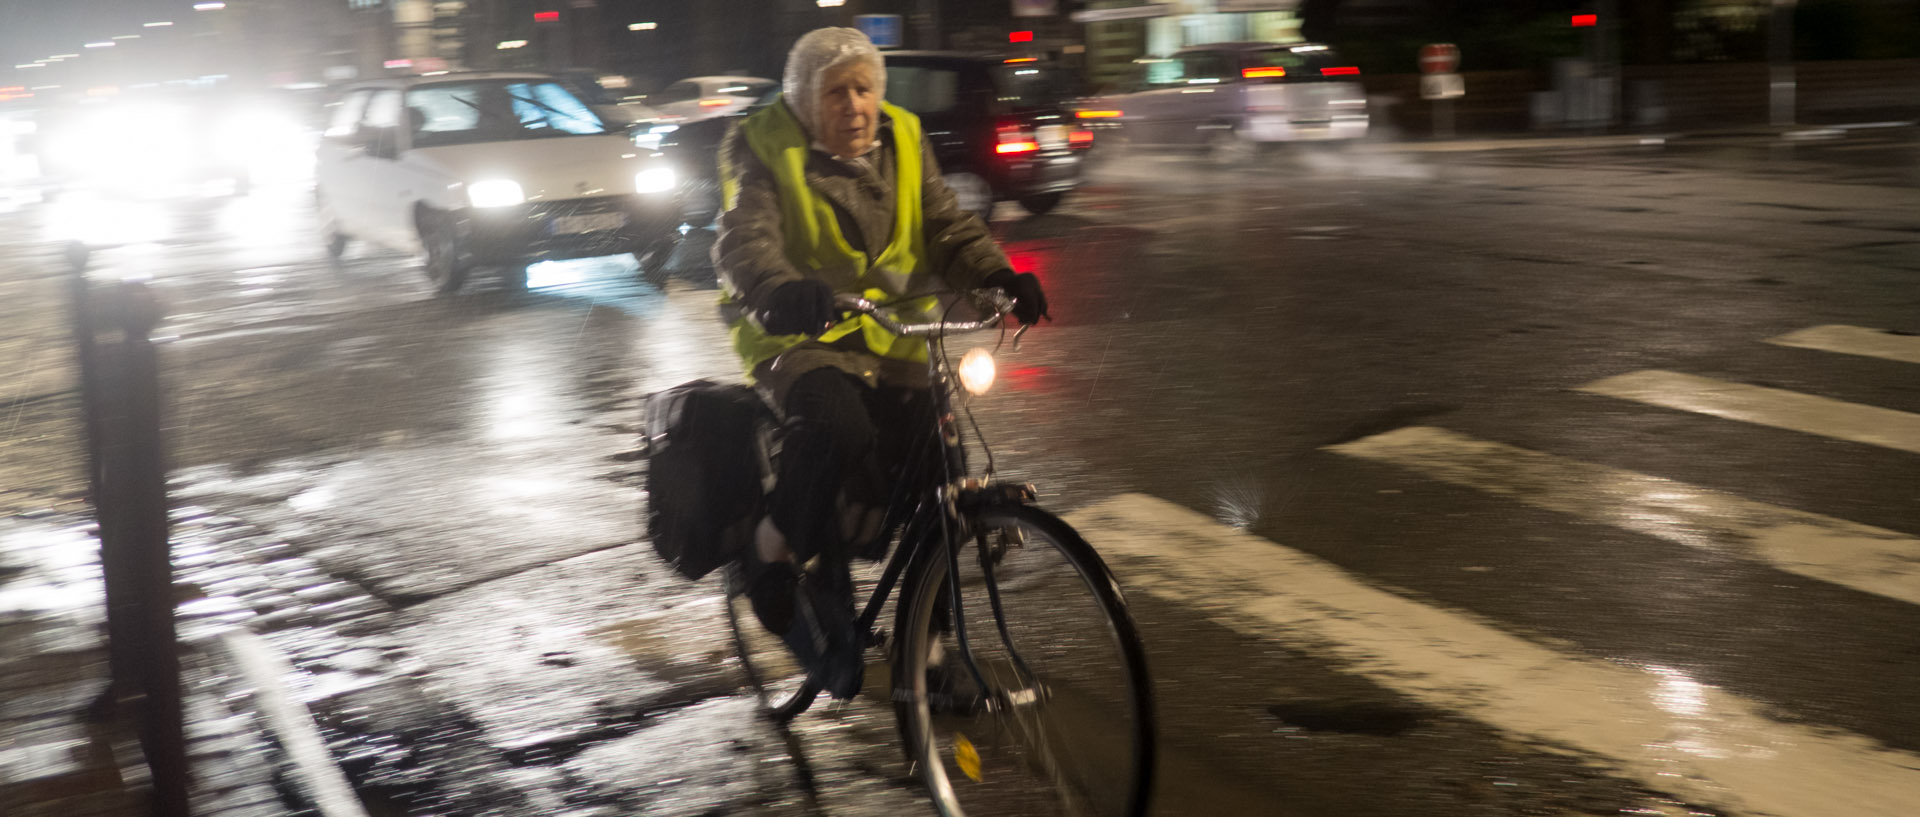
(108, 44)
(828, 4)
(209, 6)
(127, 37)
(642, 26)
(507, 44)
(161, 24)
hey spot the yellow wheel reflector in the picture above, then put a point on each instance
(966, 757)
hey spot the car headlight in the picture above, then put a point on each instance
(654, 180)
(977, 371)
(495, 193)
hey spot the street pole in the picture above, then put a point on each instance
(1781, 83)
(127, 477)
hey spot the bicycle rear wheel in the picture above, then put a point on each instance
(781, 682)
(1065, 723)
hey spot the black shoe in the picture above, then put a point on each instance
(770, 589)
(822, 636)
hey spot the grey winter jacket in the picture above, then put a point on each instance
(751, 260)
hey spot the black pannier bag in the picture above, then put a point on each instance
(705, 470)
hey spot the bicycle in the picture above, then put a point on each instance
(990, 720)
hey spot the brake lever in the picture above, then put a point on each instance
(1018, 334)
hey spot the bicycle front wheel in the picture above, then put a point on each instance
(1058, 718)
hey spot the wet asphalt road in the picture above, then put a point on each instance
(458, 478)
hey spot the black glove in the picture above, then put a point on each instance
(802, 307)
(1029, 303)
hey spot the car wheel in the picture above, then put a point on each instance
(444, 268)
(336, 241)
(1229, 147)
(653, 261)
(513, 277)
(974, 194)
(1041, 204)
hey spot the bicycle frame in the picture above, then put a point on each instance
(939, 506)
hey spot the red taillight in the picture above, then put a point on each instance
(1014, 138)
(1080, 139)
(714, 103)
(546, 16)
(1097, 114)
(1344, 71)
(1586, 20)
(1263, 72)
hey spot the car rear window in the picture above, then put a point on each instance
(746, 90)
(923, 89)
(1035, 85)
(1304, 63)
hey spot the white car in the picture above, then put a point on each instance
(697, 98)
(488, 170)
(1232, 97)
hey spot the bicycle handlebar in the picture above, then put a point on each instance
(1002, 306)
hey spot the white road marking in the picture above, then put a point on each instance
(1854, 340)
(1863, 557)
(1698, 742)
(1760, 405)
(312, 765)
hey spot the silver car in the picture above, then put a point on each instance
(1236, 96)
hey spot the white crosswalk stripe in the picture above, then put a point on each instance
(1656, 724)
(1760, 405)
(1863, 557)
(1854, 340)
(1707, 745)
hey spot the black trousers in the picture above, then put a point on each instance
(844, 443)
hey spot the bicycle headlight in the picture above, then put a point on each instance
(495, 193)
(654, 180)
(976, 371)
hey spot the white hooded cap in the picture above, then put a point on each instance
(817, 51)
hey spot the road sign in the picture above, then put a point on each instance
(885, 30)
(1442, 86)
(1439, 58)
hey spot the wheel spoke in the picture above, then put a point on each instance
(1068, 725)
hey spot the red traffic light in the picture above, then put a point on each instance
(1585, 20)
(546, 16)
(1020, 37)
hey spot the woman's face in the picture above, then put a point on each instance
(849, 108)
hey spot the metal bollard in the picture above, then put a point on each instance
(120, 400)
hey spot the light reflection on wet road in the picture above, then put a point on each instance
(453, 485)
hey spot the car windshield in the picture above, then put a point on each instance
(1304, 63)
(459, 113)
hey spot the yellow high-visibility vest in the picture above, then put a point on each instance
(815, 245)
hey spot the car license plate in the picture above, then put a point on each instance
(1053, 136)
(588, 223)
